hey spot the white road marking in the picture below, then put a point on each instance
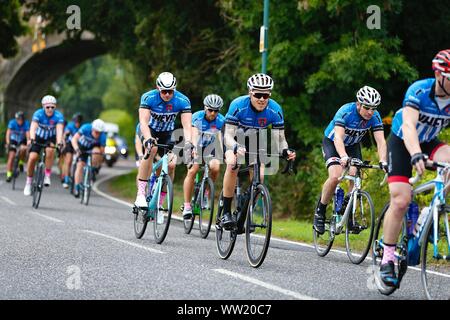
(8, 201)
(122, 241)
(265, 285)
(45, 217)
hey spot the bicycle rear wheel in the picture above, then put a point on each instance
(324, 242)
(360, 225)
(87, 183)
(206, 207)
(258, 226)
(72, 176)
(435, 255)
(164, 212)
(38, 184)
(140, 222)
(225, 239)
(189, 223)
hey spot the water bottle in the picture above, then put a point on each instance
(421, 221)
(339, 199)
(152, 182)
(412, 215)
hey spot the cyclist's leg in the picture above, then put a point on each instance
(97, 159)
(9, 164)
(49, 159)
(229, 183)
(145, 168)
(214, 169)
(32, 159)
(188, 183)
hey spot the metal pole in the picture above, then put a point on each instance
(265, 34)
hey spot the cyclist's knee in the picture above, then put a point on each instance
(400, 202)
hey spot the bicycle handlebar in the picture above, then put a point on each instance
(288, 169)
(160, 145)
(355, 162)
(429, 164)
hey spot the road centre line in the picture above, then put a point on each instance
(8, 201)
(44, 216)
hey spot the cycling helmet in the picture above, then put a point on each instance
(48, 100)
(368, 96)
(213, 101)
(77, 117)
(98, 125)
(166, 81)
(19, 115)
(441, 63)
(260, 81)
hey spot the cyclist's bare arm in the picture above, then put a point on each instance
(144, 120)
(186, 122)
(281, 143)
(410, 136)
(33, 127)
(75, 141)
(339, 134)
(230, 133)
(381, 145)
(8, 133)
(59, 133)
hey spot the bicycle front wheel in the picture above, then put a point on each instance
(206, 207)
(435, 255)
(87, 186)
(15, 170)
(140, 222)
(360, 225)
(225, 239)
(38, 184)
(258, 226)
(164, 212)
(324, 242)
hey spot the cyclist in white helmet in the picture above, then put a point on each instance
(207, 135)
(47, 125)
(342, 141)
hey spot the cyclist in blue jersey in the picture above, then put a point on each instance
(342, 142)
(90, 137)
(157, 113)
(206, 127)
(425, 112)
(17, 138)
(47, 126)
(69, 131)
(246, 116)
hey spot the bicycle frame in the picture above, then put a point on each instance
(162, 163)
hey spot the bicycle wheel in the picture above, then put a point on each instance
(360, 225)
(38, 184)
(140, 221)
(164, 212)
(189, 223)
(206, 207)
(435, 255)
(15, 171)
(72, 177)
(258, 226)
(377, 254)
(324, 242)
(225, 239)
(87, 183)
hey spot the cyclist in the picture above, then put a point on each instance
(157, 113)
(425, 112)
(206, 125)
(90, 137)
(70, 130)
(60, 156)
(17, 136)
(342, 141)
(46, 127)
(249, 114)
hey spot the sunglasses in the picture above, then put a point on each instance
(368, 108)
(48, 108)
(259, 95)
(212, 110)
(164, 92)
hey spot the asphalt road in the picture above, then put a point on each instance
(65, 250)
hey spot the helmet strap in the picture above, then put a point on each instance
(441, 85)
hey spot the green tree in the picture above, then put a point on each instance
(11, 26)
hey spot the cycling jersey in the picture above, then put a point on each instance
(207, 129)
(71, 129)
(355, 126)
(163, 114)
(242, 114)
(432, 119)
(47, 125)
(87, 141)
(18, 133)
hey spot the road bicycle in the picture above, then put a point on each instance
(88, 177)
(202, 201)
(432, 237)
(159, 212)
(356, 216)
(37, 184)
(252, 210)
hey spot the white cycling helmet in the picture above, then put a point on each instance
(48, 100)
(260, 81)
(166, 81)
(368, 96)
(98, 125)
(213, 101)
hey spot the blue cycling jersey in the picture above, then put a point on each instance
(242, 114)
(207, 129)
(18, 133)
(163, 114)
(87, 141)
(47, 125)
(71, 129)
(355, 126)
(432, 119)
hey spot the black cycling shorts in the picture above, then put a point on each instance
(163, 137)
(13, 144)
(399, 159)
(332, 157)
(36, 148)
(68, 148)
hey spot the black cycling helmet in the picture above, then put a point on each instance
(20, 115)
(77, 117)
